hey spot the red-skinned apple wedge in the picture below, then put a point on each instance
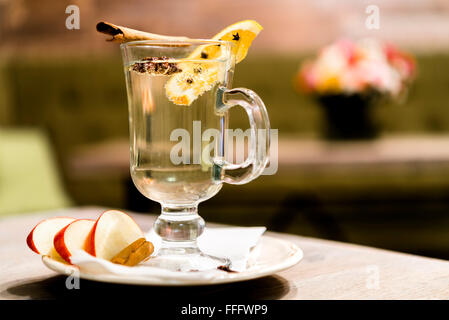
(113, 231)
(73, 237)
(40, 239)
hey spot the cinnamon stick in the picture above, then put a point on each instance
(123, 34)
(136, 252)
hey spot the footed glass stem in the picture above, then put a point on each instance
(179, 228)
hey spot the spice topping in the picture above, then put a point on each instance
(156, 66)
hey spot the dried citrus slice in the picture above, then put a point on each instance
(196, 78)
(241, 34)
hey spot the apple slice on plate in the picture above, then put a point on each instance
(40, 239)
(72, 237)
(113, 231)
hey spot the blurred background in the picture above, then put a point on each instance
(64, 125)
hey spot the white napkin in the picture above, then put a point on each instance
(233, 243)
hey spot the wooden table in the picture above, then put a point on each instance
(329, 270)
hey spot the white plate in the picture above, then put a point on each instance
(271, 255)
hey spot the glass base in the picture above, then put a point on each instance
(185, 259)
(178, 228)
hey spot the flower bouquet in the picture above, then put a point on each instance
(347, 78)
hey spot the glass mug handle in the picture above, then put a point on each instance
(259, 144)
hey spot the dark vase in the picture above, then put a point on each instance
(349, 117)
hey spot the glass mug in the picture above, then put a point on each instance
(156, 125)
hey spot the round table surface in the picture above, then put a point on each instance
(329, 270)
